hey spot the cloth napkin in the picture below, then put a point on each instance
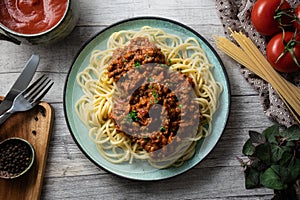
(236, 14)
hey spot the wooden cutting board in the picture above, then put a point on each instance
(35, 126)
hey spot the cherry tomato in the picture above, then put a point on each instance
(262, 16)
(297, 20)
(278, 52)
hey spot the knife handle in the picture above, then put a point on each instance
(5, 116)
(4, 106)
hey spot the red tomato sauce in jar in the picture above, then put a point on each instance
(31, 16)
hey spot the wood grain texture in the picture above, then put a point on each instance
(70, 175)
(35, 126)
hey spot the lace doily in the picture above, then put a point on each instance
(236, 14)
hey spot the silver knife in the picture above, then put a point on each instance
(21, 83)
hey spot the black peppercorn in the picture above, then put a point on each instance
(16, 155)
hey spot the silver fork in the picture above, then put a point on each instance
(29, 98)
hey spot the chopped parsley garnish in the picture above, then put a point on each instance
(155, 95)
(180, 106)
(137, 64)
(162, 129)
(146, 139)
(150, 79)
(132, 116)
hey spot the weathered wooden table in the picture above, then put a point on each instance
(70, 175)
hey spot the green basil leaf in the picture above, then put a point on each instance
(285, 174)
(248, 148)
(295, 170)
(271, 179)
(276, 168)
(271, 133)
(286, 159)
(276, 152)
(256, 137)
(287, 148)
(252, 178)
(291, 173)
(263, 152)
(258, 164)
(290, 144)
(292, 133)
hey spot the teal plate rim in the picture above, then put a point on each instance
(203, 148)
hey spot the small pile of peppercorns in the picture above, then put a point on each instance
(15, 157)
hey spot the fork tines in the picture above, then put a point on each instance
(38, 89)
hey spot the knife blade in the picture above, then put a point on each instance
(21, 83)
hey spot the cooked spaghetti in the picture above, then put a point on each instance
(178, 87)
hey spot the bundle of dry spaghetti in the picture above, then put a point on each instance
(249, 56)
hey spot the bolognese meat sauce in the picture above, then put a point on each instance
(140, 51)
(149, 107)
